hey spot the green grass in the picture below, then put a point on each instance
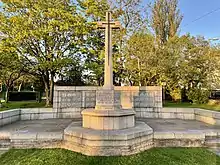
(21, 104)
(215, 107)
(155, 156)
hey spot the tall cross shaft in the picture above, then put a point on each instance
(108, 26)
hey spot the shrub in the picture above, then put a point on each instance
(198, 95)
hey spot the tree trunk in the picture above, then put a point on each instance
(47, 91)
(47, 96)
(51, 89)
(19, 88)
(6, 95)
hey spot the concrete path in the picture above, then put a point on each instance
(50, 125)
(178, 125)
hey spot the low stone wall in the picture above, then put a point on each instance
(166, 113)
(49, 113)
(207, 116)
(10, 116)
(73, 99)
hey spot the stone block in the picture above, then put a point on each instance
(217, 122)
(86, 88)
(151, 88)
(189, 135)
(65, 88)
(108, 123)
(147, 109)
(15, 118)
(126, 88)
(10, 113)
(116, 122)
(49, 136)
(208, 120)
(166, 115)
(216, 115)
(179, 115)
(26, 116)
(23, 136)
(138, 114)
(86, 121)
(130, 121)
(211, 133)
(166, 110)
(29, 110)
(46, 115)
(6, 121)
(189, 116)
(164, 135)
(203, 112)
(45, 110)
(35, 116)
(4, 135)
(185, 110)
(69, 115)
(159, 99)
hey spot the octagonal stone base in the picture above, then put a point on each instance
(108, 119)
(108, 143)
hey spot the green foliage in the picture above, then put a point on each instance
(45, 34)
(166, 19)
(21, 104)
(215, 107)
(155, 156)
(198, 95)
(176, 94)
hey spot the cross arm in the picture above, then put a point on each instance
(113, 25)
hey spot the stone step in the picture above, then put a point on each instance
(5, 144)
(213, 142)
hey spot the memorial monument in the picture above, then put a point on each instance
(108, 111)
(108, 129)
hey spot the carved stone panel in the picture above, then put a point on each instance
(90, 99)
(105, 97)
(71, 99)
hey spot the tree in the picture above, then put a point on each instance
(166, 19)
(94, 50)
(191, 64)
(143, 59)
(45, 34)
(11, 69)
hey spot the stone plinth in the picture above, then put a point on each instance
(108, 142)
(107, 119)
(107, 99)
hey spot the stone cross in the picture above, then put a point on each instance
(108, 25)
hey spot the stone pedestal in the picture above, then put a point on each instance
(108, 142)
(108, 120)
(107, 114)
(107, 99)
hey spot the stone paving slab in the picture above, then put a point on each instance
(161, 125)
(32, 128)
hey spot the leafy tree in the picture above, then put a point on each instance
(142, 59)
(11, 69)
(166, 19)
(190, 64)
(95, 42)
(44, 33)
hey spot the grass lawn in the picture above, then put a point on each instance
(21, 104)
(215, 107)
(155, 156)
